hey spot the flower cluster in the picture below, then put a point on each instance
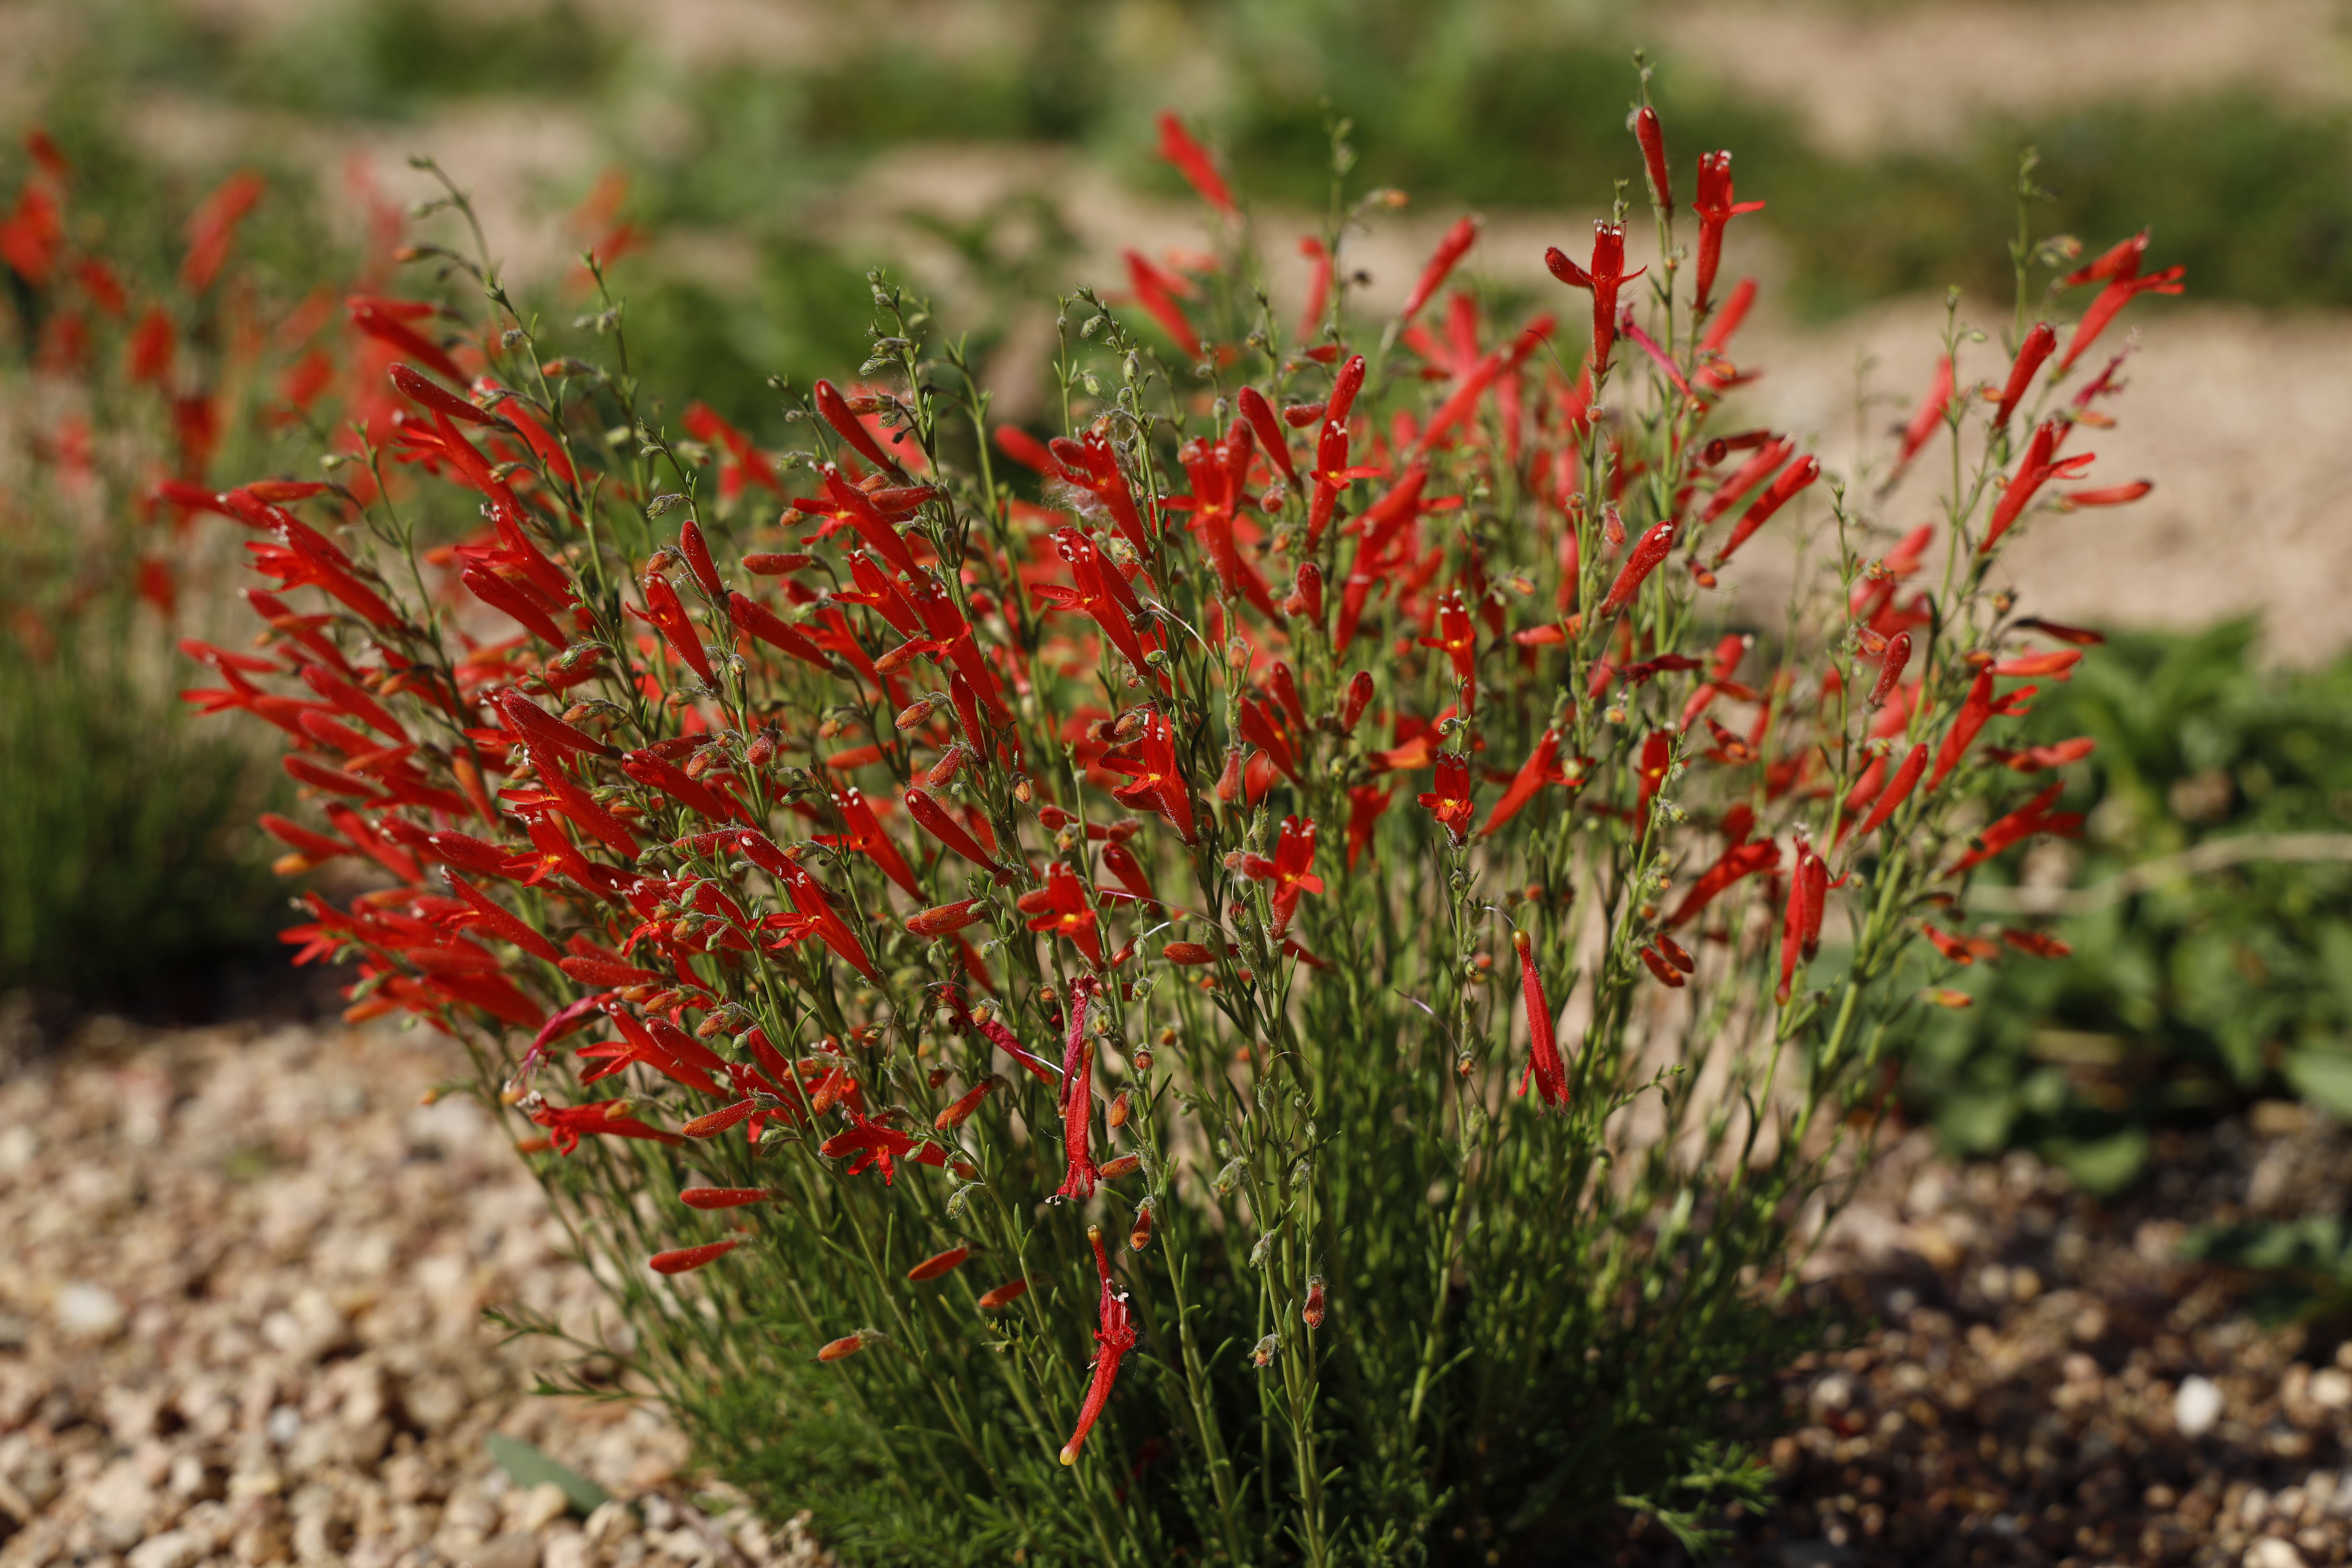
(759, 816)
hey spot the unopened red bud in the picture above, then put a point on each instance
(847, 1345)
(1312, 1311)
(1010, 1291)
(687, 1258)
(771, 565)
(717, 1121)
(1677, 955)
(914, 713)
(942, 919)
(939, 1263)
(1125, 1165)
(1119, 1109)
(1190, 954)
(723, 1197)
(1359, 699)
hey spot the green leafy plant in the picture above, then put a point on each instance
(1216, 998)
(2211, 935)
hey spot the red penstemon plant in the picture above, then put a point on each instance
(869, 910)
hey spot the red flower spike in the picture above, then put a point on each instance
(1457, 241)
(1115, 1335)
(687, 1258)
(1544, 1068)
(1716, 208)
(2031, 354)
(1178, 147)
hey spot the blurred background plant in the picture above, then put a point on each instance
(2212, 949)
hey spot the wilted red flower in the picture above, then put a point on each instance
(1115, 1335)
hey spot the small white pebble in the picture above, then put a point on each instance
(2331, 1389)
(2272, 1552)
(2197, 1405)
(88, 1312)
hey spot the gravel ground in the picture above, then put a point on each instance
(242, 1270)
(2038, 1379)
(241, 1277)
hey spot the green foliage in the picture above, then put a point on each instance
(2206, 990)
(127, 852)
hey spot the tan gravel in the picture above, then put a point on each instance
(241, 1279)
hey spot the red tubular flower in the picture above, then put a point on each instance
(536, 723)
(1738, 862)
(1294, 853)
(2031, 354)
(2033, 817)
(1606, 274)
(1458, 641)
(959, 1114)
(1060, 909)
(1974, 713)
(1158, 781)
(212, 228)
(1458, 239)
(935, 820)
(687, 1258)
(1794, 478)
(1542, 767)
(2112, 300)
(1716, 208)
(2040, 944)
(1932, 409)
(751, 616)
(2036, 470)
(1178, 147)
(494, 918)
(1155, 292)
(1800, 933)
(1906, 778)
(1653, 138)
(1077, 1096)
(1365, 806)
(1120, 861)
(649, 769)
(387, 322)
(666, 614)
(2041, 759)
(1359, 699)
(2112, 495)
(1544, 1068)
(1262, 418)
(1745, 477)
(1648, 551)
(1319, 286)
(1890, 669)
(152, 345)
(868, 1144)
(834, 410)
(1115, 1335)
(1449, 801)
(1663, 972)
(1954, 949)
(2121, 260)
(1658, 757)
